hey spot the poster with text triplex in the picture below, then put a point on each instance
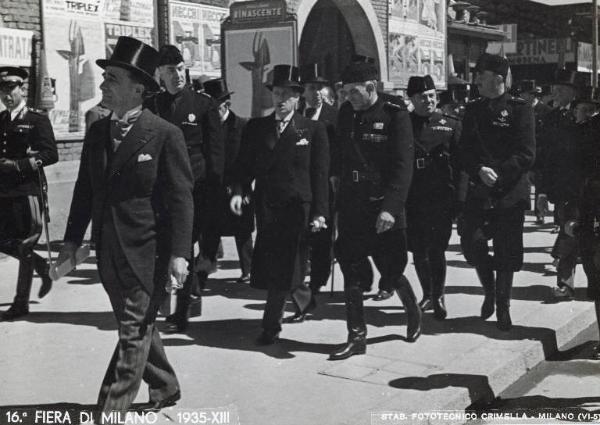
(76, 34)
(417, 41)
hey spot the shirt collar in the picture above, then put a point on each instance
(224, 118)
(15, 112)
(287, 118)
(129, 116)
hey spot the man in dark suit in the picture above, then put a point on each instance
(227, 223)
(135, 185)
(497, 150)
(196, 115)
(561, 175)
(27, 145)
(288, 156)
(321, 243)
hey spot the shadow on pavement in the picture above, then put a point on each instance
(477, 385)
(542, 293)
(103, 320)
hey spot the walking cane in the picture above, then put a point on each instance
(45, 209)
(333, 234)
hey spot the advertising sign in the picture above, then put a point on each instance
(417, 41)
(76, 33)
(257, 11)
(15, 47)
(196, 30)
(541, 50)
(250, 56)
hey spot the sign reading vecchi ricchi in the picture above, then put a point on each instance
(254, 11)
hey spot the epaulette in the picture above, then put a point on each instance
(203, 93)
(36, 111)
(394, 107)
(474, 101)
(451, 116)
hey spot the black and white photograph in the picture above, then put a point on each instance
(307, 212)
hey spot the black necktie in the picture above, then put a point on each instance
(310, 112)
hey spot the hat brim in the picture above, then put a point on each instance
(224, 96)
(148, 80)
(290, 84)
(317, 81)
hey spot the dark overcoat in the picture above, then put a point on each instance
(291, 186)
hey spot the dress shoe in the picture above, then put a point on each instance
(295, 318)
(245, 278)
(267, 339)
(14, 312)
(439, 308)
(504, 323)
(564, 292)
(426, 304)
(155, 406)
(352, 347)
(382, 295)
(176, 323)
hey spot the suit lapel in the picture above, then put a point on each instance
(136, 138)
(271, 132)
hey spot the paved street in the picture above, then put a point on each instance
(56, 356)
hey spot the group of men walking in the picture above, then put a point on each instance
(162, 173)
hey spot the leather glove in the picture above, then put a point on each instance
(8, 166)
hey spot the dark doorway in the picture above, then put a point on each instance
(326, 40)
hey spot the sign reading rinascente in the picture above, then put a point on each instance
(253, 11)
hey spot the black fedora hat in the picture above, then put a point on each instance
(311, 73)
(286, 76)
(12, 76)
(217, 89)
(419, 85)
(135, 56)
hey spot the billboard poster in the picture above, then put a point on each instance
(76, 33)
(15, 47)
(250, 56)
(417, 41)
(542, 50)
(196, 30)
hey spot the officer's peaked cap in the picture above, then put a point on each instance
(494, 63)
(12, 75)
(419, 85)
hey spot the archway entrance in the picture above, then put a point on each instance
(326, 40)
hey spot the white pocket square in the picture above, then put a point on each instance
(302, 142)
(143, 157)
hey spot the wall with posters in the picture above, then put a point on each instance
(76, 33)
(417, 41)
(196, 30)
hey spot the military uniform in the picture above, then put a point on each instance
(589, 207)
(26, 139)
(497, 133)
(196, 115)
(374, 160)
(432, 199)
(561, 181)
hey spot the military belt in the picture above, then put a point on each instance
(365, 176)
(423, 162)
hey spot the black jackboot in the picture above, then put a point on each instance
(20, 305)
(357, 330)
(438, 283)
(486, 277)
(423, 269)
(42, 268)
(504, 280)
(413, 312)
